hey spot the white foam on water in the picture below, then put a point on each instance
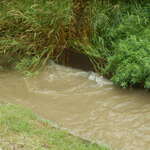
(99, 79)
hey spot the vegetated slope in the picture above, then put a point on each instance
(113, 34)
(23, 130)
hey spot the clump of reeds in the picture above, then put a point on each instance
(31, 32)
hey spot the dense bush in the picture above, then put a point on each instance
(129, 65)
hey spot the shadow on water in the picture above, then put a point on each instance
(73, 58)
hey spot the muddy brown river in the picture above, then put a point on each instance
(84, 103)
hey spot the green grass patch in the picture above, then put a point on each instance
(21, 129)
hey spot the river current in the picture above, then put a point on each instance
(85, 104)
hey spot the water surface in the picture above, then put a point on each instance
(86, 104)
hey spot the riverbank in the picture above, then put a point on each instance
(23, 130)
(113, 35)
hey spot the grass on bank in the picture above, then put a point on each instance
(20, 129)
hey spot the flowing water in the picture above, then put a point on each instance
(84, 103)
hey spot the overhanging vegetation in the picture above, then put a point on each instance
(113, 34)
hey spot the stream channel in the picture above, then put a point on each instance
(85, 104)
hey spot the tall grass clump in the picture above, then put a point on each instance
(31, 32)
(95, 22)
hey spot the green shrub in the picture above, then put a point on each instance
(129, 65)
